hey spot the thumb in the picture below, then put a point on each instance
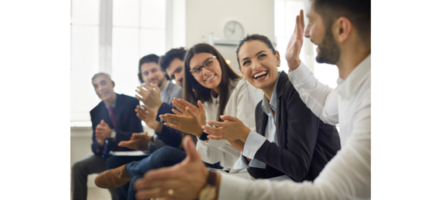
(190, 149)
(102, 122)
(190, 112)
(229, 118)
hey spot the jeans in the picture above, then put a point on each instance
(116, 161)
(163, 157)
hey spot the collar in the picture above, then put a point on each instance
(114, 103)
(273, 103)
(355, 79)
(164, 90)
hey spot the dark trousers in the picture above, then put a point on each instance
(116, 161)
(163, 157)
(80, 170)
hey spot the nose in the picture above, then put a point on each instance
(255, 65)
(307, 31)
(205, 71)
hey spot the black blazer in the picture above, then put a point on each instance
(306, 143)
(126, 121)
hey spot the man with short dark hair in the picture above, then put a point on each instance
(341, 29)
(150, 73)
(113, 120)
(172, 63)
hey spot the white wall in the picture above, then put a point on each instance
(207, 16)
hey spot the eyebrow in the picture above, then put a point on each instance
(260, 52)
(202, 64)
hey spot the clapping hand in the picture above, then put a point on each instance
(138, 141)
(150, 96)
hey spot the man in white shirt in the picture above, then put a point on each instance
(341, 29)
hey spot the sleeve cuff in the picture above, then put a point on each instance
(253, 142)
(113, 135)
(241, 163)
(163, 109)
(300, 74)
(257, 164)
(233, 187)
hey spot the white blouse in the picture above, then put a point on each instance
(241, 104)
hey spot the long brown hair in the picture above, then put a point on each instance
(193, 90)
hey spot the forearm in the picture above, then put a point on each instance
(319, 98)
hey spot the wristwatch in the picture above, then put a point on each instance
(209, 191)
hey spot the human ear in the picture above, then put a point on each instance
(277, 55)
(342, 29)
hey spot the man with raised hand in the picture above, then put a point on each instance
(342, 30)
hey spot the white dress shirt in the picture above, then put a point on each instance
(348, 174)
(241, 104)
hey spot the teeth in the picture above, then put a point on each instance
(259, 74)
(210, 77)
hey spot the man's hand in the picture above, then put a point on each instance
(138, 141)
(102, 129)
(185, 179)
(190, 120)
(148, 116)
(150, 96)
(230, 129)
(295, 43)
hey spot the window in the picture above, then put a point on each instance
(285, 14)
(111, 36)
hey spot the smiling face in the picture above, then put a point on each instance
(152, 74)
(258, 64)
(208, 78)
(321, 34)
(175, 71)
(104, 88)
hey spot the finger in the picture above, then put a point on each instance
(102, 122)
(171, 118)
(138, 97)
(161, 191)
(201, 107)
(178, 105)
(302, 18)
(125, 144)
(154, 86)
(191, 112)
(211, 137)
(229, 118)
(187, 104)
(172, 126)
(212, 130)
(216, 123)
(176, 112)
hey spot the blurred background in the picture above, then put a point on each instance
(112, 35)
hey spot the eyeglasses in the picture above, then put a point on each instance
(197, 71)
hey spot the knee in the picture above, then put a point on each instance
(168, 155)
(111, 162)
(77, 167)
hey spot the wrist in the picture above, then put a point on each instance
(159, 127)
(246, 132)
(293, 64)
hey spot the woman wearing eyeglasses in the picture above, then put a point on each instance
(211, 84)
(217, 90)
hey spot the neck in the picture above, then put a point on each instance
(216, 90)
(269, 90)
(351, 58)
(163, 84)
(110, 101)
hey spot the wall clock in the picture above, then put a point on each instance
(233, 30)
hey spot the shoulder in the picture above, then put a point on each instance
(285, 87)
(128, 99)
(97, 107)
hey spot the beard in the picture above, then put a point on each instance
(329, 51)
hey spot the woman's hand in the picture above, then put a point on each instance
(230, 129)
